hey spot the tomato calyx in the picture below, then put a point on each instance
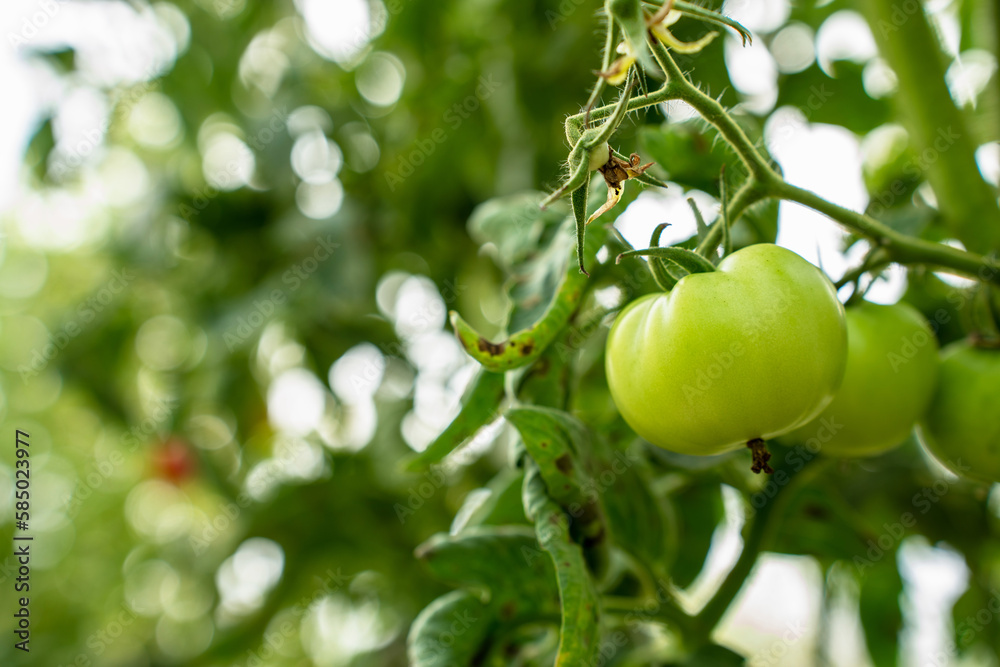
(984, 342)
(760, 457)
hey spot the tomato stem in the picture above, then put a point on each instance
(764, 181)
(760, 457)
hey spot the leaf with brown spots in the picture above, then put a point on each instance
(579, 631)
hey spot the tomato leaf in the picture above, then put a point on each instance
(686, 259)
(479, 407)
(546, 291)
(580, 628)
(579, 198)
(514, 225)
(549, 436)
(501, 564)
(433, 640)
(639, 522)
(498, 504)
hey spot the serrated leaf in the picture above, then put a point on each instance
(450, 631)
(514, 224)
(479, 407)
(546, 292)
(497, 504)
(638, 522)
(503, 564)
(580, 605)
(551, 438)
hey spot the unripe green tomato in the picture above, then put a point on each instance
(749, 351)
(892, 359)
(962, 425)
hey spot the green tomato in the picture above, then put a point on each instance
(891, 370)
(749, 351)
(962, 425)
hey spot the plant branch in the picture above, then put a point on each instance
(764, 182)
(749, 194)
(937, 128)
(761, 532)
(651, 608)
(898, 247)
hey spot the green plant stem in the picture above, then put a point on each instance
(649, 609)
(937, 128)
(899, 247)
(750, 193)
(761, 533)
(609, 49)
(764, 182)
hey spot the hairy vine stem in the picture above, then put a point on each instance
(763, 182)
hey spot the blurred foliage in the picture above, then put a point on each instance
(165, 474)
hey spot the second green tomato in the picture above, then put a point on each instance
(892, 365)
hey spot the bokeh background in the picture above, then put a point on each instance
(231, 233)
